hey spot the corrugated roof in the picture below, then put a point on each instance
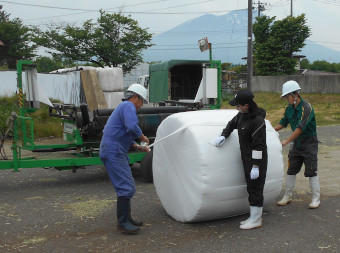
(309, 72)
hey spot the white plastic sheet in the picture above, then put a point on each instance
(34, 90)
(197, 181)
(110, 79)
(113, 99)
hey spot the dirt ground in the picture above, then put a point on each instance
(328, 162)
(45, 210)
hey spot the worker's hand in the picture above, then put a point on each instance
(284, 143)
(144, 148)
(141, 148)
(143, 138)
(219, 141)
(254, 173)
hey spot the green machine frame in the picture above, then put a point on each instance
(23, 128)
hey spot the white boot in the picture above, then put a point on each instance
(315, 186)
(255, 220)
(245, 221)
(290, 184)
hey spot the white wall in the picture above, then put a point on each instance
(65, 87)
(8, 83)
(329, 84)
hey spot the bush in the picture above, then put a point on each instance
(44, 125)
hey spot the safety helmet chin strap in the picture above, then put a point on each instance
(295, 98)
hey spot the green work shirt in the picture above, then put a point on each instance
(302, 117)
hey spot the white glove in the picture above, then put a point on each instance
(219, 141)
(254, 173)
(145, 146)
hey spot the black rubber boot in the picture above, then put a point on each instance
(123, 217)
(133, 222)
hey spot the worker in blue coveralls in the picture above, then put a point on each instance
(119, 135)
(303, 142)
(250, 123)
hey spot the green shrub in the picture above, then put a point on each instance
(44, 125)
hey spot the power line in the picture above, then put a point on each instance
(45, 6)
(182, 5)
(151, 12)
(72, 9)
(193, 48)
(331, 2)
(280, 3)
(183, 46)
(127, 12)
(179, 33)
(164, 45)
(144, 12)
(334, 3)
(206, 32)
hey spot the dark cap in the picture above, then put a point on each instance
(242, 97)
(128, 95)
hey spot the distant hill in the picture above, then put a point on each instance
(317, 52)
(228, 35)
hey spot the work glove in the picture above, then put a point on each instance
(219, 141)
(254, 173)
(145, 147)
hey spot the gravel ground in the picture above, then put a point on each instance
(45, 210)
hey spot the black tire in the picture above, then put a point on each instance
(146, 167)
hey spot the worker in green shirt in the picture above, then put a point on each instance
(304, 142)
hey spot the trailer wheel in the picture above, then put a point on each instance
(146, 167)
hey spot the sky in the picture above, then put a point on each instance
(323, 16)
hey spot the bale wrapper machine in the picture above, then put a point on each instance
(82, 132)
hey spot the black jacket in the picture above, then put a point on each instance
(252, 137)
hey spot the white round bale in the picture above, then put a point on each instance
(110, 79)
(197, 181)
(113, 99)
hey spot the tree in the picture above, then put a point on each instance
(226, 65)
(305, 64)
(114, 40)
(240, 69)
(276, 42)
(17, 40)
(47, 64)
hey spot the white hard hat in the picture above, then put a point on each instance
(289, 87)
(136, 88)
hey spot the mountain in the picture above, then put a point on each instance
(228, 36)
(317, 52)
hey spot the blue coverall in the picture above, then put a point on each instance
(118, 136)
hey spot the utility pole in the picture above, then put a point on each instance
(260, 7)
(291, 8)
(250, 47)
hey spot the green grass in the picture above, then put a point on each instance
(44, 125)
(326, 106)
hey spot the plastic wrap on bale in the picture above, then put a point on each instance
(110, 79)
(197, 181)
